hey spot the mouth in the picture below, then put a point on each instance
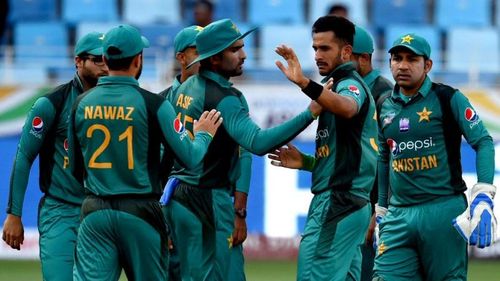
(403, 76)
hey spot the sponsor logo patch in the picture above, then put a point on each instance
(393, 146)
(178, 127)
(470, 114)
(37, 124)
(353, 89)
(404, 125)
(66, 144)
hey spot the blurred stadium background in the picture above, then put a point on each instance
(36, 53)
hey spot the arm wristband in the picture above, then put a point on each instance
(313, 90)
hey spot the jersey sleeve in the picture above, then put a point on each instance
(76, 162)
(477, 136)
(36, 127)
(383, 167)
(189, 153)
(351, 88)
(245, 165)
(250, 136)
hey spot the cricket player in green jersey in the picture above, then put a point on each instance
(203, 194)
(379, 87)
(45, 134)
(115, 133)
(421, 127)
(185, 53)
(344, 166)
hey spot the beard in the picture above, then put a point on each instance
(139, 72)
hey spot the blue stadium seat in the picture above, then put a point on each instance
(356, 9)
(161, 39)
(498, 14)
(32, 10)
(456, 13)
(296, 36)
(473, 50)
(86, 27)
(41, 42)
(151, 11)
(228, 9)
(75, 11)
(430, 33)
(275, 11)
(387, 12)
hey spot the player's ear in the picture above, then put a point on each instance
(427, 65)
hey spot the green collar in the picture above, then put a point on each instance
(129, 80)
(371, 76)
(77, 83)
(423, 91)
(348, 66)
(217, 78)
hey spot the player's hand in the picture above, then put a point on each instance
(13, 231)
(293, 70)
(287, 156)
(208, 122)
(240, 231)
(380, 213)
(477, 225)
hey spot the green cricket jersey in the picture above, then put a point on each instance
(169, 91)
(377, 84)
(208, 90)
(118, 127)
(45, 134)
(419, 155)
(346, 149)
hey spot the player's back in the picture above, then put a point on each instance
(119, 135)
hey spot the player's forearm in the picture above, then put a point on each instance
(383, 183)
(243, 181)
(18, 184)
(240, 200)
(197, 150)
(485, 160)
(338, 104)
(268, 139)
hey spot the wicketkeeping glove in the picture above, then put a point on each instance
(380, 213)
(168, 190)
(478, 225)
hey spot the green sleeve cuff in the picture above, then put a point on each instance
(308, 162)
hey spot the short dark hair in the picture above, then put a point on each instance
(341, 27)
(120, 64)
(207, 4)
(337, 8)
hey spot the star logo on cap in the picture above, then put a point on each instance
(235, 28)
(101, 37)
(198, 28)
(406, 39)
(424, 115)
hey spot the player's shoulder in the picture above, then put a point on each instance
(350, 86)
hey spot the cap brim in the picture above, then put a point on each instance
(399, 46)
(209, 54)
(95, 52)
(145, 42)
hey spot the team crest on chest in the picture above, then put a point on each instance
(424, 115)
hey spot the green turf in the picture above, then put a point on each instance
(488, 270)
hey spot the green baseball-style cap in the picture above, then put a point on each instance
(414, 43)
(123, 41)
(363, 42)
(90, 44)
(216, 37)
(186, 38)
